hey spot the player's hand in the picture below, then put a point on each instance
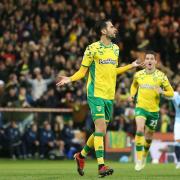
(137, 63)
(130, 99)
(63, 80)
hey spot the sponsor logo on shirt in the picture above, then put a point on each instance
(148, 86)
(107, 61)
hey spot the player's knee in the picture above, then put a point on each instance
(101, 130)
(140, 129)
(149, 135)
(104, 131)
(100, 126)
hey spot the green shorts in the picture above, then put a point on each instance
(100, 108)
(150, 117)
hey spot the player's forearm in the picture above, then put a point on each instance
(123, 69)
(169, 92)
(79, 74)
(133, 90)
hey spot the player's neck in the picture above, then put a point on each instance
(105, 41)
(150, 71)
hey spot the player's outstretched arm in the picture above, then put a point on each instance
(77, 76)
(121, 70)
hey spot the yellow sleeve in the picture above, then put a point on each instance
(123, 69)
(116, 52)
(88, 56)
(79, 74)
(134, 87)
(167, 88)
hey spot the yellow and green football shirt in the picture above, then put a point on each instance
(102, 62)
(145, 85)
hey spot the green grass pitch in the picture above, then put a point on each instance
(66, 170)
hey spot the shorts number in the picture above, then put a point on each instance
(153, 123)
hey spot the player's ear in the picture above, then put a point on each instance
(103, 31)
(156, 61)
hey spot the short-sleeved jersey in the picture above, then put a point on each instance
(147, 96)
(176, 102)
(102, 62)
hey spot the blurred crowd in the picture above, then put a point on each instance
(54, 141)
(41, 39)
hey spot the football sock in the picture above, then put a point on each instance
(139, 141)
(99, 147)
(147, 145)
(88, 147)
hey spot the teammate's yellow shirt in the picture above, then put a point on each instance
(145, 85)
(102, 62)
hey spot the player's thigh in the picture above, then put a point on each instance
(152, 120)
(140, 117)
(108, 110)
(177, 131)
(96, 106)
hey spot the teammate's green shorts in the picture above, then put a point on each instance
(150, 117)
(100, 108)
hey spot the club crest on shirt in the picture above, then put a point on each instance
(100, 52)
(116, 52)
(99, 108)
(155, 78)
